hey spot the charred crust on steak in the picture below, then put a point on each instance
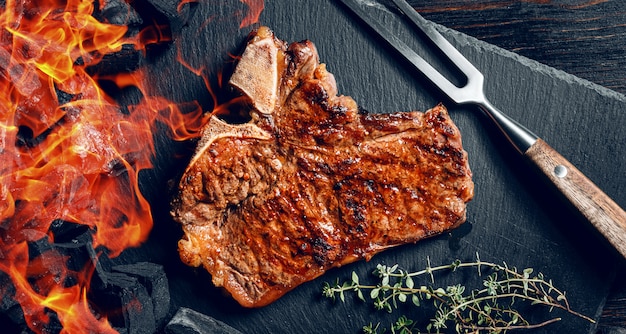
(311, 181)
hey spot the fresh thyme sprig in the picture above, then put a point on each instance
(487, 309)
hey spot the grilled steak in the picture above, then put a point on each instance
(311, 182)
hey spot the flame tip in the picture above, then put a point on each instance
(72, 154)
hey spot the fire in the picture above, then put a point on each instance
(69, 152)
(256, 7)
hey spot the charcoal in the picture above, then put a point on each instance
(127, 304)
(177, 18)
(11, 314)
(13, 321)
(26, 138)
(126, 60)
(188, 321)
(119, 12)
(65, 231)
(78, 251)
(63, 98)
(38, 247)
(44, 252)
(152, 276)
(7, 290)
(102, 264)
(58, 257)
(54, 324)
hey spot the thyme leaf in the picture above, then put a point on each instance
(489, 308)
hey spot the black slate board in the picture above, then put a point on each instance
(514, 218)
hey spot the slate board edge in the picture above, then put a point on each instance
(460, 38)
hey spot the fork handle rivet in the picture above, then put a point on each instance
(560, 171)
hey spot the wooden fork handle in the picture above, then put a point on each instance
(605, 215)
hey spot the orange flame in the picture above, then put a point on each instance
(69, 152)
(75, 158)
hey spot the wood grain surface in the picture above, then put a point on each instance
(582, 37)
(605, 215)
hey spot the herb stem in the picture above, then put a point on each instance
(535, 326)
(480, 310)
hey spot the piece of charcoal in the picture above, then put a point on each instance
(13, 321)
(188, 321)
(119, 12)
(64, 231)
(126, 303)
(78, 253)
(78, 250)
(38, 247)
(178, 17)
(153, 277)
(54, 324)
(47, 256)
(11, 314)
(8, 291)
(126, 60)
(102, 264)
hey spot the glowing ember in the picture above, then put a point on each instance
(69, 152)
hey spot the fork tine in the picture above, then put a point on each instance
(443, 44)
(416, 60)
(472, 92)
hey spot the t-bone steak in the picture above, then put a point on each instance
(311, 182)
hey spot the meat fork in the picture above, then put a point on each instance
(603, 213)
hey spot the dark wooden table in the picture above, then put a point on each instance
(586, 38)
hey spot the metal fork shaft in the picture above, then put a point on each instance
(519, 136)
(471, 93)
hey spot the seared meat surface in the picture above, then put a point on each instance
(311, 182)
